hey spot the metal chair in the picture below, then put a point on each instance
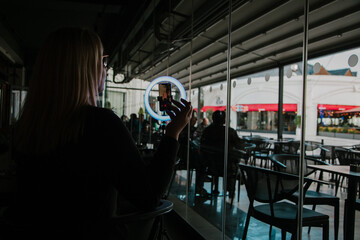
(312, 146)
(247, 149)
(261, 150)
(357, 207)
(145, 225)
(290, 164)
(214, 159)
(328, 153)
(271, 187)
(356, 147)
(292, 147)
(344, 156)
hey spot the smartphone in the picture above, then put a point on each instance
(165, 97)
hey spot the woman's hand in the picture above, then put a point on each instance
(180, 116)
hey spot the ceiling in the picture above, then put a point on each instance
(25, 24)
(150, 38)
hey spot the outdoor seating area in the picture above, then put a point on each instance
(325, 191)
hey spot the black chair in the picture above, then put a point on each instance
(271, 187)
(328, 153)
(194, 156)
(247, 149)
(344, 157)
(312, 146)
(356, 147)
(145, 225)
(291, 147)
(261, 151)
(357, 207)
(355, 156)
(242, 155)
(290, 164)
(214, 160)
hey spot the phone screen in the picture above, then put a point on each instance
(165, 95)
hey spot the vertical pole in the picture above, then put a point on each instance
(199, 116)
(103, 94)
(152, 66)
(281, 102)
(150, 128)
(169, 38)
(303, 120)
(227, 123)
(188, 184)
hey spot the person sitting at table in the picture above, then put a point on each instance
(76, 160)
(199, 130)
(213, 140)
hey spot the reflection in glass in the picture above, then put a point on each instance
(335, 109)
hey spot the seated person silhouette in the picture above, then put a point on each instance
(212, 145)
(204, 123)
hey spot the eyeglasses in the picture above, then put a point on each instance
(105, 60)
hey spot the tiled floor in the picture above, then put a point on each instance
(211, 211)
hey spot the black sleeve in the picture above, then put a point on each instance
(205, 136)
(234, 138)
(142, 185)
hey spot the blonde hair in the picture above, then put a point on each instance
(66, 77)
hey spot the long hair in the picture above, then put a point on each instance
(66, 77)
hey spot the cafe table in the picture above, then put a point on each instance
(354, 177)
(278, 144)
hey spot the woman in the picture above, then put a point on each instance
(74, 158)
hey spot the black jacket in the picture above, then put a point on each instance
(72, 191)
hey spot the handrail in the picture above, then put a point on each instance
(165, 207)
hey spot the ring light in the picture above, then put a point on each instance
(151, 85)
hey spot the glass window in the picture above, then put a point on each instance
(292, 100)
(127, 101)
(264, 106)
(15, 105)
(336, 85)
(254, 105)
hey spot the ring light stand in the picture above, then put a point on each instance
(147, 94)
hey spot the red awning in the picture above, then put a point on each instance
(352, 110)
(335, 107)
(274, 107)
(213, 108)
(253, 107)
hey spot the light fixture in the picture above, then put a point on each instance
(267, 77)
(317, 67)
(353, 60)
